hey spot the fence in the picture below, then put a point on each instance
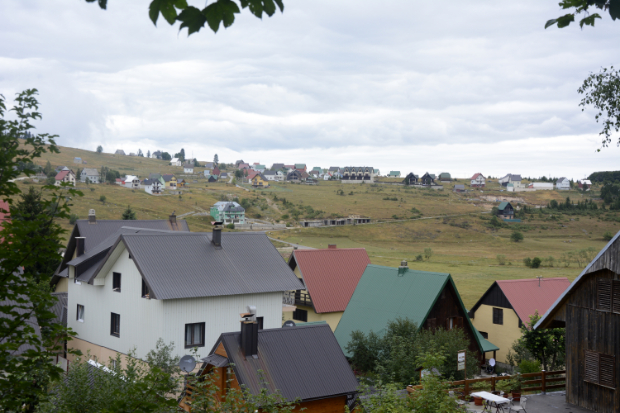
(540, 381)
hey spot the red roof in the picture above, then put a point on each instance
(476, 175)
(331, 275)
(526, 296)
(252, 173)
(61, 175)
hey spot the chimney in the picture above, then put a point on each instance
(216, 239)
(331, 246)
(249, 333)
(79, 246)
(173, 218)
(92, 219)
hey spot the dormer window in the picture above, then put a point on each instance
(116, 282)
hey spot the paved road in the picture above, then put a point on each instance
(299, 247)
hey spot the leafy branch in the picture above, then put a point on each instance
(583, 6)
(602, 91)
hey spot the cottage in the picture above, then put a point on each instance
(584, 184)
(176, 162)
(459, 188)
(210, 165)
(224, 175)
(429, 299)
(294, 176)
(394, 174)
(376, 172)
(505, 211)
(170, 180)
(92, 174)
(445, 177)
(239, 162)
(358, 174)
(273, 175)
(301, 363)
(301, 167)
(259, 167)
(589, 309)
(508, 304)
(156, 155)
(228, 212)
(213, 178)
(330, 277)
(152, 186)
(119, 152)
(259, 181)
(65, 176)
(427, 179)
(410, 179)
(132, 182)
(510, 179)
(158, 177)
(188, 168)
(277, 167)
(562, 184)
(478, 181)
(126, 281)
(216, 171)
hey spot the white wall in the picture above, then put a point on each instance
(143, 321)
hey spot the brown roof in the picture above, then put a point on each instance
(331, 275)
(61, 175)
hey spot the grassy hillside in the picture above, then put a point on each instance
(406, 221)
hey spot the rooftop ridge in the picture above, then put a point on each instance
(533, 279)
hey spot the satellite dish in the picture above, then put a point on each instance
(289, 323)
(187, 364)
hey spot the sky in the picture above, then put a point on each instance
(454, 86)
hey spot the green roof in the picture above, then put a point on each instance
(394, 173)
(386, 293)
(485, 344)
(300, 165)
(317, 168)
(502, 206)
(310, 323)
(260, 167)
(444, 175)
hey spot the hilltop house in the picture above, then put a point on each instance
(259, 167)
(156, 155)
(210, 165)
(458, 188)
(238, 162)
(152, 186)
(429, 299)
(304, 363)
(445, 177)
(329, 277)
(505, 211)
(216, 171)
(213, 178)
(584, 184)
(170, 180)
(65, 176)
(589, 309)
(510, 179)
(92, 174)
(358, 173)
(228, 212)
(259, 181)
(274, 175)
(294, 176)
(427, 179)
(132, 182)
(562, 184)
(87, 234)
(158, 177)
(410, 179)
(127, 293)
(478, 181)
(393, 174)
(301, 167)
(508, 304)
(188, 168)
(119, 152)
(176, 162)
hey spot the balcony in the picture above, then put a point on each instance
(298, 297)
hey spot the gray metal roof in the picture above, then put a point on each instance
(216, 360)
(301, 362)
(607, 258)
(245, 263)
(60, 308)
(167, 177)
(90, 171)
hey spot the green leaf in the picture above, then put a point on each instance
(551, 22)
(565, 20)
(269, 7)
(589, 21)
(213, 14)
(614, 9)
(193, 19)
(256, 8)
(180, 4)
(280, 5)
(154, 11)
(168, 11)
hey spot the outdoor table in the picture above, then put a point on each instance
(498, 400)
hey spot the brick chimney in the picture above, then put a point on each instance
(92, 218)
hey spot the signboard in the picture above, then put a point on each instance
(461, 360)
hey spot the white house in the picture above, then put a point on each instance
(188, 169)
(132, 182)
(207, 173)
(562, 184)
(127, 293)
(478, 181)
(66, 175)
(276, 176)
(510, 179)
(152, 186)
(156, 155)
(541, 186)
(176, 162)
(92, 174)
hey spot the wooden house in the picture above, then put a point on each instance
(410, 179)
(427, 180)
(429, 299)
(301, 167)
(445, 177)
(259, 181)
(584, 184)
(301, 363)
(589, 309)
(478, 181)
(188, 168)
(212, 178)
(294, 176)
(508, 304)
(329, 277)
(505, 211)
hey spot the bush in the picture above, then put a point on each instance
(428, 253)
(230, 226)
(608, 236)
(92, 189)
(516, 236)
(527, 262)
(419, 257)
(285, 216)
(536, 262)
(528, 366)
(501, 259)
(102, 198)
(73, 218)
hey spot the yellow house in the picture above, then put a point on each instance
(171, 181)
(330, 277)
(259, 181)
(508, 304)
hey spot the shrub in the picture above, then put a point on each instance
(285, 216)
(92, 189)
(102, 198)
(73, 218)
(528, 366)
(501, 259)
(428, 253)
(608, 236)
(419, 257)
(516, 236)
(527, 262)
(258, 216)
(230, 226)
(536, 262)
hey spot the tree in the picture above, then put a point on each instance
(25, 295)
(180, 155)
(48, 168)
(140, 153)
(166, 156)
(194, 19)
(602, 91)
(102, 199)
(196, 163)
(516, 236)
(582, 6)
(129, 214)
(428, 253)
(148, 153)
(545, 345)
(99, 149)
(216, 159)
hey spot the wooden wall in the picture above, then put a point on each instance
(331, 405)
(590, 329)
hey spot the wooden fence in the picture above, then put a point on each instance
(541, 381)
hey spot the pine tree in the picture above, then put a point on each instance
(48, 168)
(216, 159)
(148, 153)
(129, 214)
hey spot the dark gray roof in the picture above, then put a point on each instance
(301, 362)
(562, 179)
(60, 308)
(245, 263)
(216, 360)
(167, 177)
(515, 177)
(148, 182)
(277, 166)
(230, 207)
(270, 173)
(459, 187)
(334, 168)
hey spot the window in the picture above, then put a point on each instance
(145, 290)
(113, 363)
(194, 335)
(300, 315)
(116, 282)
(608, 295)
(79, 316)
(259, 320)
(600, 369)
(454, 322)
(484, 335)
(115, 325)
(498, 316)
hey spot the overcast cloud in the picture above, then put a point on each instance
(454, 86)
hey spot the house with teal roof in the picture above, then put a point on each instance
(429, 299)
(394, 174)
